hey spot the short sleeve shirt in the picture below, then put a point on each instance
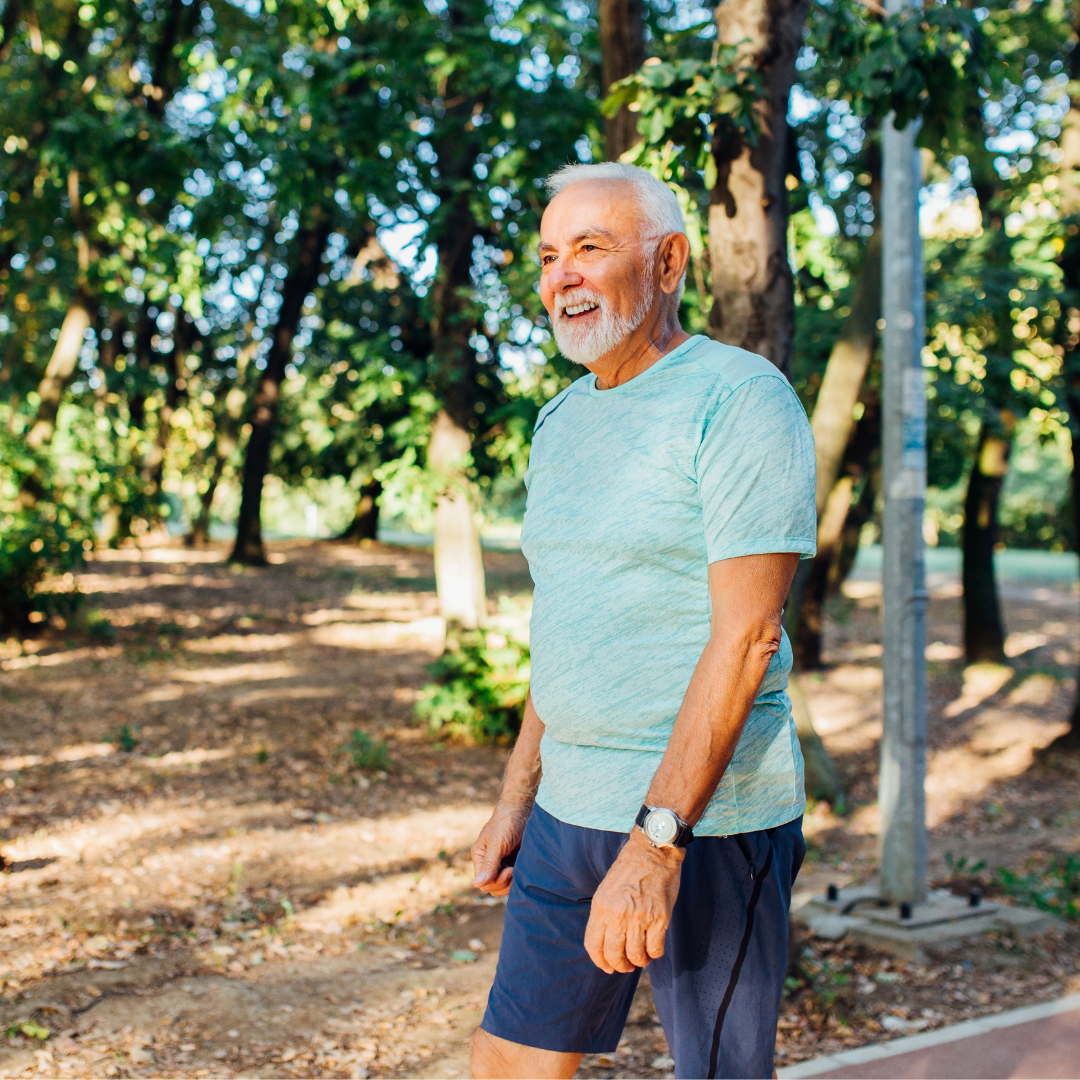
(632, 493)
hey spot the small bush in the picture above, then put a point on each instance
(42, 537)
(368, 753)
(481, 682)
(1054, 887)
(124, 740)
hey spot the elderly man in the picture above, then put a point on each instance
(670, 497)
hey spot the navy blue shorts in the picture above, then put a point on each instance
(717, 987)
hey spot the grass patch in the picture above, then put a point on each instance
(367, 753)
(1053, 887)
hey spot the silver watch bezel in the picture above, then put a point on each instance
(658, 814)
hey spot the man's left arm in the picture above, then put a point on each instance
(632, 907)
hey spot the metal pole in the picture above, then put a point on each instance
(901, 795)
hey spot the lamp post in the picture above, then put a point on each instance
(901, 797)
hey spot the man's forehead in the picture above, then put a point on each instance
(608, 208)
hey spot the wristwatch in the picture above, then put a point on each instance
(663, 827)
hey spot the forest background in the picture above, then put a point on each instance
(265, 256)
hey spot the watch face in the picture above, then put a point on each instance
(661, 826)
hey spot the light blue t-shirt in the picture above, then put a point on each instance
(632, 492)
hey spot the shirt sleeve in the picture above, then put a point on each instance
(756, 473)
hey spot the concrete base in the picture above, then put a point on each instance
(943, 921)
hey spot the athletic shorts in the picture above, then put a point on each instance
(717, 987)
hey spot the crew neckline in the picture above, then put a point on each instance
(693, 339)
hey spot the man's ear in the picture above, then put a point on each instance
(674, 259)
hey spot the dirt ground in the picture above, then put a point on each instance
(200, 882)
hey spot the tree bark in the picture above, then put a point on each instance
(1069, 261)
(200, 527)
(753, 292)
(984, 633)
(822, 778)
(58, 372)
(301, 279)
(838, 537)
(453, 368)
(622, 52)
(184, 334)
(1070, 740)
(833, 419)
(365, 522)
(459, 562)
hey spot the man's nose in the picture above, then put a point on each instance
(562, 276)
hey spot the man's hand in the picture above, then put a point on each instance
(632, 908)
(499, 838)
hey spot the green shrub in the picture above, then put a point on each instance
(368, 753)
(41, 538)
(124, 740)
(1054, 887)
(479, 690)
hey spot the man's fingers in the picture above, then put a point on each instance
(594, 941)
(615, 948)
(635, 948)
(501, 885)
(655, 936)
(487, 867)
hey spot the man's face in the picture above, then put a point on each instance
(597, 275)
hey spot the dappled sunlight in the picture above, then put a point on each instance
(238, 673)
(939, 651)
(284, 693)
(189, 757)
(388, 898)
(1018, 644)
(428, 634)
(57, 659)
(225, 643)
(1001, 745)
(859, 589)
(149, 554)
(79, 752)
(845, 706)
(981, 681)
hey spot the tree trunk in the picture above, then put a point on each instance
(184, 335)
(753, 292)
(822, 779)
(459, 563)
(1070, 741)
(833, 419)
(365, 522)
(984, 634)
(58, 372)
(622, 52)
(200, 527)
(1069, 261)
(301, 279)
(838, 537)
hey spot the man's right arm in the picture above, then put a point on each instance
(501, 836)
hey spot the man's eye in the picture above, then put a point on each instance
(588, 247)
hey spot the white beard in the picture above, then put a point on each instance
(586, 344)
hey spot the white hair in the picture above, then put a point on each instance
(658, 203)
(661, 207)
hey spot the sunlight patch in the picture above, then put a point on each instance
(240, 643)
(238, 673)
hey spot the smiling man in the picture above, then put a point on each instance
(652, 807)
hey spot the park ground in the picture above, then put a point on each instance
(199, 880)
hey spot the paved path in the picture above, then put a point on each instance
(1041, 1042)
